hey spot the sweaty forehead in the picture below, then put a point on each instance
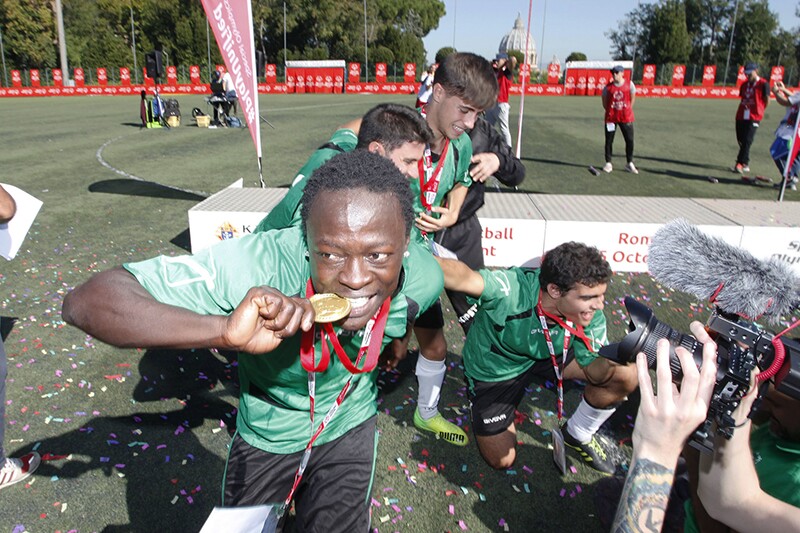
(351, 210)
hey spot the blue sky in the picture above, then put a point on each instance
(569, 25)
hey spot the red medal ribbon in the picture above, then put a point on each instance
(556, 368)
(371, 344)
(429, 177)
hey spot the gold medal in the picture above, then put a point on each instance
(329, 307)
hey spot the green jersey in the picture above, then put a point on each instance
(287, 213)
(777, 464)
(274, 404)
(455, 170)
(506, 337)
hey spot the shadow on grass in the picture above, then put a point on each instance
(554, 162)
(6, 325)
(533, 492)
(681, 162)
(737, 180)
(183, 240)
(149, 189)
(171, 481)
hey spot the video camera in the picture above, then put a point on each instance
(741, 347)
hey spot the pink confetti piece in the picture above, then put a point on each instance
(451, 509)
(462, 525)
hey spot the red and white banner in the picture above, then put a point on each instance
(525, 73)
(409, 73)
(232, 23)
(79, 76)
(649, 75)
(553, 73)
(172, 75)
(776, 75)
(16, 78)
(102, 77)
(380, 72)
(35, 80)
(194, 74)
(678, 75)
(354, 73)
(709, 75)
(271, 74)
(125, 76)
(58, 81)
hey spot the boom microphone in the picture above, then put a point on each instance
(684, 258)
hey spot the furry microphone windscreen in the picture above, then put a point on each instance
(684, 258)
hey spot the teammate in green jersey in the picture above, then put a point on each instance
(250, 295)
(507, 346)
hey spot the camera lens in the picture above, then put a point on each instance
(645, 332)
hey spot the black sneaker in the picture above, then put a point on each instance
(595, 453)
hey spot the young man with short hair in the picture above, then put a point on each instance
(251, 295)
(618, 98)
(541, 323)
(463, 86)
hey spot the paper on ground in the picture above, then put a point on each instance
(255, 519)
(13, 233)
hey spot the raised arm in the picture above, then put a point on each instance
(459, 277)
(114, 308)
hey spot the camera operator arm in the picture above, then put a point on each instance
(663, 424)
(729, 487)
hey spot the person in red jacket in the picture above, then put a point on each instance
(503, 66)
(618, 98)
(754, 94)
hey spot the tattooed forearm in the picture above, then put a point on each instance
(644, 498)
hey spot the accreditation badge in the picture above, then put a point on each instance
(559, 452)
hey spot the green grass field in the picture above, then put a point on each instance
(136, 440)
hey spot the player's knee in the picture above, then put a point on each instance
(500, 461)
(625, 379)
(435, 349)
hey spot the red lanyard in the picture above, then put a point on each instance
(556, 368)
(371, 345)
(429, 177)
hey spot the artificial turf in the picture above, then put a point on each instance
(136, 440)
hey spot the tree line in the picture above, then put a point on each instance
(103, 32)
(702, 31)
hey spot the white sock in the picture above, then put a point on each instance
(586, 420)
(430, 375)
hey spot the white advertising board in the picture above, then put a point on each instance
(624, 245)
(512, 241)
(773, 243)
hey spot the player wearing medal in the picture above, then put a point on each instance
(540, 323)
(463, 86)
(250, 294)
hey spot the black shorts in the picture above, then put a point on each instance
(432, 318)
(333, 494)
(493, 403)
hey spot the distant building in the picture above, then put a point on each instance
(517, 39)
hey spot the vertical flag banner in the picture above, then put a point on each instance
(232, 22)
(709, 75)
